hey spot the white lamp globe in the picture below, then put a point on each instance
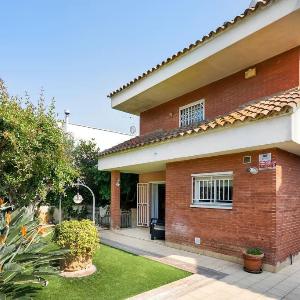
(77, 198)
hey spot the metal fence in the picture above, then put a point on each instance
(125, 219)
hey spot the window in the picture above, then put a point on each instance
(247, 159)
(213, 189)
(191, 114)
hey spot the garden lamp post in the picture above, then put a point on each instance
(78, 198)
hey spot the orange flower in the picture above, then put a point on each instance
(1, 201)
(2, 239)
(23, 230)
(41, 230)
(8, 218)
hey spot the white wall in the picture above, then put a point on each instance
(274, 132)
(103, 138)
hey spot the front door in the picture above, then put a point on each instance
(143, 205)
(158, 194)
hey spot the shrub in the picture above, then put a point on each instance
(254, 251)
(24, 254)
(81, 238)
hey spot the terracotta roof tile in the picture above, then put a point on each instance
(271, 106)
(260, 4)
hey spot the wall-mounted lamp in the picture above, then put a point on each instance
(250, 73)
(118, 183)
(252, 170)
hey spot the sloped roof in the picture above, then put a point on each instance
(260, 4)
(263, 108)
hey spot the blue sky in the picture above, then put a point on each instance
(79, 50)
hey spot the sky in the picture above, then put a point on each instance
(80, 50)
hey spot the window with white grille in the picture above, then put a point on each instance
(191, 114)
(213, 189)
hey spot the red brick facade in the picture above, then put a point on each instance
(115, 212)
(154, 176)
(288, 205)
(266, 206)
(250, 223)
(274, 75)
(265, 211)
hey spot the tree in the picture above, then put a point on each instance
(35, 154)
(86, 154)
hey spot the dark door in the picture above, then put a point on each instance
(161, 201)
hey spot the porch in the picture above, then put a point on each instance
(150, 202)
(138, 241)
(212, 278)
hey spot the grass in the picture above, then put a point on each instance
(119, 275)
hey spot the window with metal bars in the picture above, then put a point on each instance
(215, 189)
(191, 114)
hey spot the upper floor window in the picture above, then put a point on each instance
(213, 189)
(192, 113)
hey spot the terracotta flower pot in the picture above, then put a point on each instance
(253, 263)
(72, 264)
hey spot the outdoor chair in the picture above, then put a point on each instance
(157, 229)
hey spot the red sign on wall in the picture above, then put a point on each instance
(266, 162)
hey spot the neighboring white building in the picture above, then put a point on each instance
(102, 137)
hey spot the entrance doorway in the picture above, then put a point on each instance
(150, 202)
(158, 200)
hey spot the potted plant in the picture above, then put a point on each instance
(82, 240)
(253, 260)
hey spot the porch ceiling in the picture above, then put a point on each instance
(278, 132)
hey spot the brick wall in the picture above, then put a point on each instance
(274, 75)
(115, 213)
(288, 204)
(251, 222)
(154, 176)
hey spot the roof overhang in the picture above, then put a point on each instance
(279, 132)
(264, 34)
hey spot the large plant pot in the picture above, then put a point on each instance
(253, 263)
(72, 264)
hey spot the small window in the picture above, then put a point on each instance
(213, 189)
(191, 114)
(247, 159)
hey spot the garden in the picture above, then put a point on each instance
(41, 258)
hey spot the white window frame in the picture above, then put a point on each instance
(190, 105)
(212, 203)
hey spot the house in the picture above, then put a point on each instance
(103, 138)
(218, 155)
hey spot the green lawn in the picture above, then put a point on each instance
(119, 275)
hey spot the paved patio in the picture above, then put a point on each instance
(212, 278)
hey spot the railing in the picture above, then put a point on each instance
(125, 219)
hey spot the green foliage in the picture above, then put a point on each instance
(86, 154)
(254, 251)
(23, 256)
(35, 154)
(80, 237)
(120, 275)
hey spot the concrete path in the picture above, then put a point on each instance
(212, 279)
